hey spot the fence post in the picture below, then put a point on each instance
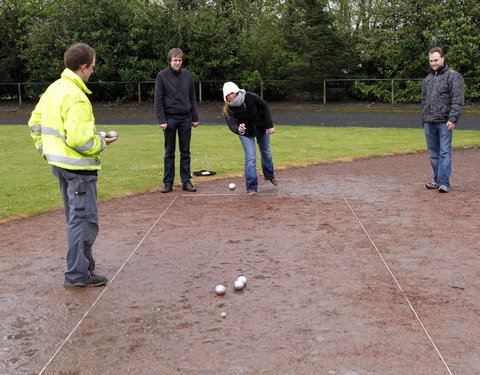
(200, 91)
(139, 92)
(19, 95)
(261, 88)
(393, 92)
(324, 92)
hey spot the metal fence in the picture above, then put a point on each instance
(398, 90)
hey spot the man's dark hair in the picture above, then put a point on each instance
(436, 49)
(174, 52)
(78, 54)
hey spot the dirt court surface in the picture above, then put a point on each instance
(353, 268)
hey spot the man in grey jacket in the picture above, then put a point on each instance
(442, 101)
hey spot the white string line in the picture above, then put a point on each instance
(399, 286)
(106, 288)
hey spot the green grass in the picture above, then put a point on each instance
(134, 164)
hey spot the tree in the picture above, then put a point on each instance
(124, 33)
(15, 17)
(316, 48)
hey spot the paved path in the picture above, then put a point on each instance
(334, 115)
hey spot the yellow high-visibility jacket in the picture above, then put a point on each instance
(62, 125)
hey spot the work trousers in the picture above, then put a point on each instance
(79, 193)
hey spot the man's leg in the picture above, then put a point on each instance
(184, 138)
(82, 225)
(433, 147)
(169, 158)
(63, 190)
(445, 162)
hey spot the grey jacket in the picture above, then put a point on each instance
(442, 96)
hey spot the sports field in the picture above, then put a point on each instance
(353, 268)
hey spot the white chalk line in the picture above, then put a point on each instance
(106, 288)
(399, 286)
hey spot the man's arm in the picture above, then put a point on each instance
(457, 93)
(193, 102)
(80, 130)
(158, 100)
(35, 128)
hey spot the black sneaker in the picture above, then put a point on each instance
(167, 188)
(432, 185)
(188, 186)
(92, 280)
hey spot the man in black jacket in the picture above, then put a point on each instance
(442, 101)
(176, 110)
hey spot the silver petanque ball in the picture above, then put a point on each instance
(220, 290)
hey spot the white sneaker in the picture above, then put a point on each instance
(443, 189)
(432, 185)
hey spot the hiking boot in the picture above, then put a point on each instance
(432, 185)
(443, 189)
(92, 280)
(167, 188)
(188, 186)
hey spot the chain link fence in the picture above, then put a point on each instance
(327, 91)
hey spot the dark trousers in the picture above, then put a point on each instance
(79, 193)
(184, 129)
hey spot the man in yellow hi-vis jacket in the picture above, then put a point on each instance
(62, 126)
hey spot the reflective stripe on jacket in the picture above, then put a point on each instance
(62, 125)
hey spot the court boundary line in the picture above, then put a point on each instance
(107, 287)
(398, 284)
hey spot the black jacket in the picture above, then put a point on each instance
(175, 95)
(254, 113)
(442, 96)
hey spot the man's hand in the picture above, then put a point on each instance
(195, 124)
(109, 140)
(163, 126)
(450, 125)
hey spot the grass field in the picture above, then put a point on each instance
(134, 164)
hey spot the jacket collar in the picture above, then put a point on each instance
(71, 76)
(443, 69)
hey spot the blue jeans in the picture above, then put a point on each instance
(439, 145)
(79, 193)
(248, 143)
(184, 129)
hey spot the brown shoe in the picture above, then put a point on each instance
(251, 192)
(274, 181)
